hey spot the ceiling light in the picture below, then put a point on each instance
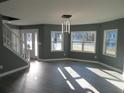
(66, 23)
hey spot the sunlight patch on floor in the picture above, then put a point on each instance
(34, 68)
(67, 81)
(101, 73)
(72, 72)
(112, 77)
(118, 84)
(70, 85)
(86, 86)
(62, 73)
(113, 73)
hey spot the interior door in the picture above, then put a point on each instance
(30, 37)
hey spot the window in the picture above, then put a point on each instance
(83, 41)
(56, 41)
(110, 42)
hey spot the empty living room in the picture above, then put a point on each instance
(61, 46)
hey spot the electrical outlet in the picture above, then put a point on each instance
(1, 67)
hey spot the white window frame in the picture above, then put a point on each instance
(71, 42)
(104, 44)
(83, 50)
(61, 45)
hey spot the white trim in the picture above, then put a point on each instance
(55, 59)
(56, 50)
(97, 62)
(76, 51)
(13, 71)
(109, 55)
(71, 59)
(104, 39)
(110, 67)
(23, 33)
(81, 60)
(37, 33)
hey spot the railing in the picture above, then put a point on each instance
(13, 42)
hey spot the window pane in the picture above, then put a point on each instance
(89, 47)
(89, 41)
(76, 39)
(29, 40)
(77, 36)
(77, 46)
(56, 46)
(110, 42)
(56, 36)
(56, 41)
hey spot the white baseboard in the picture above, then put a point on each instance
(82, 60)
(13, 71)
(110, 67)
(55, 59)
(71, 59)
(90, 61)
(97, 62)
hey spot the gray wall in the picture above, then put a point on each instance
(118, 61)
(44, 39)
(8, 60)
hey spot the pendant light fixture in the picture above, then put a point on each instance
(66, 23)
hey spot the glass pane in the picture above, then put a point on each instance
(89, 41)
(56, 36)
(89, 47)
(29, 40)
(89, 36)
(56, 41)
(76, 36)
(56, 46)
(77, 46)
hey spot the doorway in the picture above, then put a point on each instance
(30, 38)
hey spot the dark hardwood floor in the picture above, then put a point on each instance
(62, 77)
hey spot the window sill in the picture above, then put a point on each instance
(83, 52)
(57, 51)
(109, 55)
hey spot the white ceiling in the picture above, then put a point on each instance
(50, 11)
